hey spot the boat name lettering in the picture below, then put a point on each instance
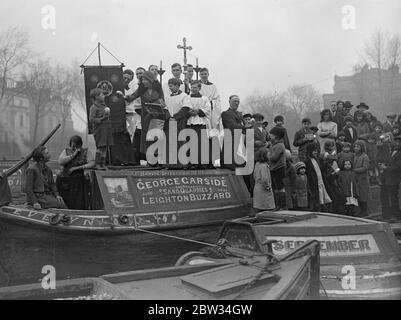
(157, 183)
(344, 245)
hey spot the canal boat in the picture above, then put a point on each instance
(147, 219)
(294, 276)
(360, 258)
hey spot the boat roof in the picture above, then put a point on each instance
(303, 219)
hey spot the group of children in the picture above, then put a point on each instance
(333, 178)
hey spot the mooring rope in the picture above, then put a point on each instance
(176, 237)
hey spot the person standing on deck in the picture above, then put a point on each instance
(209, 90)
(178, 105)
(150, 92)
(176, 71)
(99, 119)
(131, 115)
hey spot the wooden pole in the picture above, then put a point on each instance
(98, 54)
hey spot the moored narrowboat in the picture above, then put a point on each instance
(148, 219)
(360, 258)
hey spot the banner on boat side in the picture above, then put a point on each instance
(330, 246)
(168, 191)
(110, 80)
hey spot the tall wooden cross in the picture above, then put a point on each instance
(185, 48)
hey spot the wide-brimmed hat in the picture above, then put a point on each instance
(362, 105)
(348, 104)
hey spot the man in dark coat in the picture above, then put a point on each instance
(232, 120)
(391, 178)
(351, 135)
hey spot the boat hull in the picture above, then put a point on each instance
(25, 248)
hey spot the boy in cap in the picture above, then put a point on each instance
(277, 164)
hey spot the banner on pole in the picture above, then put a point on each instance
(110, 80)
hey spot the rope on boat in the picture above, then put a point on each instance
(177, 238)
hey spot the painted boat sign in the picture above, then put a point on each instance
(170, 190)
(330, 246)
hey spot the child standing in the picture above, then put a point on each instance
(263, 196)
(345, 154)
(279, 121)
(289, 180)
(99, 119)
(348, 188)
(301, 187)
(277, 165)
(340, 141)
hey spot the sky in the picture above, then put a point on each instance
(247, 45)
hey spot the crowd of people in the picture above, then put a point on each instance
(337, 162)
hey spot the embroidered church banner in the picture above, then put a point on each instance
(110, 80)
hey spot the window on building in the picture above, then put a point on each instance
(21, 120)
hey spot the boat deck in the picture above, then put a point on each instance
(223, 282)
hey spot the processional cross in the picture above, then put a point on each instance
(185, 48)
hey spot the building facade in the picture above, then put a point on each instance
(380, 89)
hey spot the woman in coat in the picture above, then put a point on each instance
(263, 196)
(319, 198)
(361, 169)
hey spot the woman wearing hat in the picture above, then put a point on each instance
(150, 92)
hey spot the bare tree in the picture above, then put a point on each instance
(303, 99)
(382, 52)
(14, 53)
(39, 82)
